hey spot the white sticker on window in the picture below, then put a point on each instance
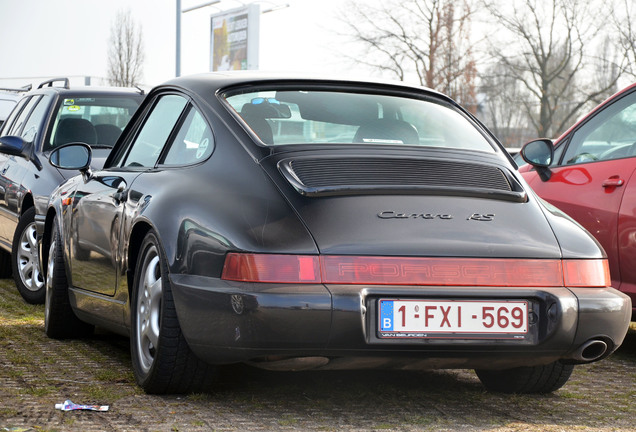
(202, 148)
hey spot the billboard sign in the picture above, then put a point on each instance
(234, 39)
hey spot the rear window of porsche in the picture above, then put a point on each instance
(280, 117)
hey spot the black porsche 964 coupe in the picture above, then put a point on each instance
(303, 223)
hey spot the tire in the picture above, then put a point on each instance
(60, 322)
(162, 360)
(534, 379)
(26, 260)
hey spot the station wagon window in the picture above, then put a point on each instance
(6, 127)
(16, 127)
(146, 148)
(279, 117)
(34, 122)
(610, 134)
(193, 142)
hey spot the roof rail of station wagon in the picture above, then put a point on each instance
(49, 83)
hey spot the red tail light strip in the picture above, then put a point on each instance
(272, 268)
(586, 273)
(441, 271)
(332, 269)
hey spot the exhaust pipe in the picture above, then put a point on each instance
(591, 350)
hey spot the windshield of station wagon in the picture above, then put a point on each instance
(97, 121)
(305, 117)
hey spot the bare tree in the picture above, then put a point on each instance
(126, 51)
(606, 67)
(546, 46)
(624, 14)
(503, 107)
(429, 39)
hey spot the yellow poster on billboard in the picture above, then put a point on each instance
(234, 44)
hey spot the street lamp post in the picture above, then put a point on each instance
(179, 12)
(178, 57)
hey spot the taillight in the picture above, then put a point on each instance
(272, 268)
(335, 269)
(586, 273)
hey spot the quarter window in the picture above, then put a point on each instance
(151, 139)
(193, 143)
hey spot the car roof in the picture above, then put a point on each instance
(203, 83)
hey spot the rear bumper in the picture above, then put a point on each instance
(226, 322)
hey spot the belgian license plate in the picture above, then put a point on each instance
(473, 319)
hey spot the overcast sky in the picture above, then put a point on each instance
(45, 38)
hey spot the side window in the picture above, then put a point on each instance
(6, 127)
(34, 122)
(16, 127)
(558, 152)
(193, 143)
(610, 134)
(146, 148)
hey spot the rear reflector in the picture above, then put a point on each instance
(331, 269)
(441, 271)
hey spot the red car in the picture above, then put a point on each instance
(590, 173)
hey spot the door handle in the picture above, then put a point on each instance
(613, 182)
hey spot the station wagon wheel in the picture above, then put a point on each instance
(162, 360)
(532, 379)
(26, 261)
(59, 319)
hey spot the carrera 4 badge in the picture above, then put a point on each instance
(389, 214)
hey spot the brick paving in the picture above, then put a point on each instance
(37, 372)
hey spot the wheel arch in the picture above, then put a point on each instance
(27, 203)
(46, 239)
(137, 235)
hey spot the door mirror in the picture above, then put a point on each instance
(76, 156)
(13, 145)
(538, 153)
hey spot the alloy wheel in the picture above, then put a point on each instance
(28, 260)
(149, 309)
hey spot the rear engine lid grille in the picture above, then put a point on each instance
(330, 176)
